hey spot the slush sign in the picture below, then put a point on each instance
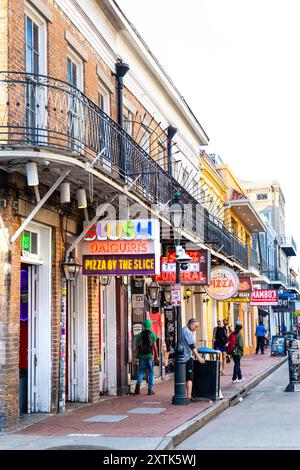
(122, 247)
(141, 229)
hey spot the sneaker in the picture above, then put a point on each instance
(150, 392)
(239, 380)
(235, 381)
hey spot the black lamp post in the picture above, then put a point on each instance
(180, 397)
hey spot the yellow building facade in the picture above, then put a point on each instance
(225, 199)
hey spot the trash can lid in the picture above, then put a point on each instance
(208, 351)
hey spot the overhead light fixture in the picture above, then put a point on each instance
(65, 193)
(81, 199)
(32, 174)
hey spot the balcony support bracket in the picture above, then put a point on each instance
(4, 231)
(39, 206)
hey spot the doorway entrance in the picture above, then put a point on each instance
(29, 356)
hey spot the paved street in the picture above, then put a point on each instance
(268, 418)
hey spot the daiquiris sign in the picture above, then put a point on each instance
(122, 247)
(224, 283)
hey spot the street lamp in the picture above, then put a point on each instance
(182, 262)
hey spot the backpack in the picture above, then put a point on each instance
(146, 343)
(231, 343)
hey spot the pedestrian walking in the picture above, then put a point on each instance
(235, 347)
(219, 342)
(260, 334)
(146, 348)
(189, 349)
(283, 329)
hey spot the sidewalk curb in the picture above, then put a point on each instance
(182, 432)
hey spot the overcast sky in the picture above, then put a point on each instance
(237, 63)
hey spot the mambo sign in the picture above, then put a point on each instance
(264, 297)
(197, 273)
(118, 265)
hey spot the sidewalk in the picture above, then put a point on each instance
(138, 422)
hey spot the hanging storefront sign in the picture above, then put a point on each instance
(284, 305)
(244, 291)
(224, 283)
(197, 273)
(175, 295)
(122, 247)
(118, 265)
(264, 297)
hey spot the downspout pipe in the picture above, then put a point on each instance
(171, 131)
(121, 70)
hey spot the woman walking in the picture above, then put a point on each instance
(238, 352)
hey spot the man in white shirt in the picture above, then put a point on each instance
(189, 349)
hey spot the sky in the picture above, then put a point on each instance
(237, 63)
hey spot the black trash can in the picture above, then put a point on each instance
(206, 377)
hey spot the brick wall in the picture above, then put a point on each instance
(9, 318)
(93, 338)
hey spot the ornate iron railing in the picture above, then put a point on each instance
(43, 112)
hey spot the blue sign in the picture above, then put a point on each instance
(286, 295)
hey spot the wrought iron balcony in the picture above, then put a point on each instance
(276, 276)
(288, 244)
(254, 259)
(292, 283)
(39, 112)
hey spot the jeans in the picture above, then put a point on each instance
(237, 374)
(146, 366)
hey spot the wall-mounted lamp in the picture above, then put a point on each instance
(71, 269)
(187, 294)
(167, 296)
(32, 174)
(104, 280)
(81, 199)
(153, 292)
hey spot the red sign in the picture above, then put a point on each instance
(264, 297)
(245, 284)
(198, 272)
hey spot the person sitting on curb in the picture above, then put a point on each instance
(145, 348)
(189, 349)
